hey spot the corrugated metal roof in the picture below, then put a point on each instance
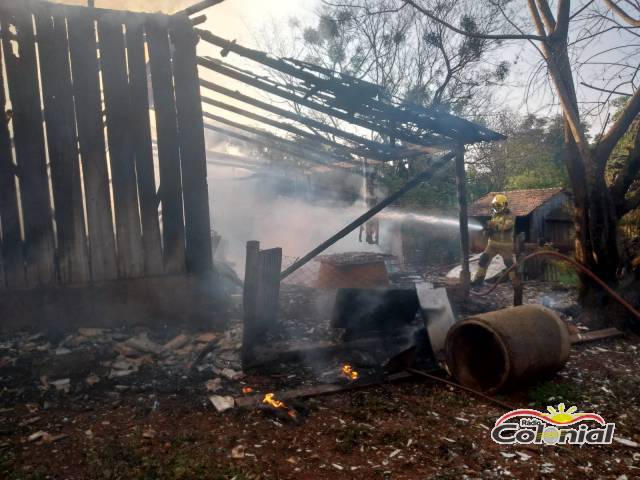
(521, 202)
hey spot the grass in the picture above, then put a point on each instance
(116, 460)
(548, 393)
(350, 437)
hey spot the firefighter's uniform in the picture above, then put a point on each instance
(500, 231)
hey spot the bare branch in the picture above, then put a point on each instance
(619, 128)
(547, 16)
(562, 18)
(622, 13)
(435, 18)
(615, 92)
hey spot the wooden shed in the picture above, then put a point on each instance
(544, 216)
(97, 231)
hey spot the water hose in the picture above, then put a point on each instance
(577, 266)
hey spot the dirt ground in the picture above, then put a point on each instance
(165, 427)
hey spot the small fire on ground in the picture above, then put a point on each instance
(348, 372)
(272, 401)
(247, 390)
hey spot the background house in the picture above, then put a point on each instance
(543, 215)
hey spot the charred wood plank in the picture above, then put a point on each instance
(62, 140)
(193, 159)
(11, 245)
(24, 91)
(88, 101)
(142, 147)
(251, 401)
(168, 144)
(198, 7)
(117, 102)
(250, 300)
(595, 335)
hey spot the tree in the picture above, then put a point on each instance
(598, 205)
(530, 157)
(414, 59)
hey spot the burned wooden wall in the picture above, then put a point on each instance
(83, 201)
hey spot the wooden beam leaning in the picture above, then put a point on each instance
(24, 90)
(168, 144)
(198, 7)
(62, 141)
(117, 103)
(193, 159)
(86, 91)
(141, 132)
(11, 246)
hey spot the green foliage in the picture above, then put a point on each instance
(547, 393)
(531, 157)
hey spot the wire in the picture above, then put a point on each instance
(577, 266)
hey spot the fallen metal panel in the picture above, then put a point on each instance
(437, 314)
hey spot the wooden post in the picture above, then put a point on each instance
(518, 288)
(461, 181)
(261, 296)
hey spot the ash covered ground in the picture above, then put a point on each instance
(119, 404)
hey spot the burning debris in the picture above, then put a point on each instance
(276, 406)
(349, 373)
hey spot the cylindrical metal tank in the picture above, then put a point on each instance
(499, 349)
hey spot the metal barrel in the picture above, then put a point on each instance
(500, 349)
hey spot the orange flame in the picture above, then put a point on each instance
(269, 399)
(348, 372)
(246, 390)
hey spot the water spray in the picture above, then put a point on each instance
(428, 219)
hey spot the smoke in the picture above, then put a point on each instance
(279, 212)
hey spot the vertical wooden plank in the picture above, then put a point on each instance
(168, 146)
(193, 159)
(118, 112)
(24, 90)
(142, 146)
(269, 289)
(53, 48)
(11, 247)
(250, 301)
(86, 90)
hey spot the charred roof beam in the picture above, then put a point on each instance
(283, 92)
(379, 150)
(362, 99)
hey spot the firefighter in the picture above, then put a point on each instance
(500, 232)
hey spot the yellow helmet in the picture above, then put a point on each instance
(499, 203)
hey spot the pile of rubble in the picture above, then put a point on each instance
(95, 359)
